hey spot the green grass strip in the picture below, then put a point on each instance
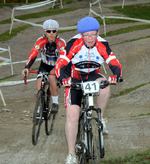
(131, 40)
(6, 36)
(141, 158)
(8, 77)
(126, 91)
(41, 14)
(127, 29)
(140, 11)
(142, 114)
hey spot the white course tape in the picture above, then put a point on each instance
(2, 98)
(17, 62)
(9, 83)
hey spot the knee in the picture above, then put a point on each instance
(52, 77)
(73, 115)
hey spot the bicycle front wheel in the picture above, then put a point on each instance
(49, 123)
(37, 117)
(95, 143)
(50, 117)
(80, 144)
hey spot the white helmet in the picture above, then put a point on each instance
(50, 24)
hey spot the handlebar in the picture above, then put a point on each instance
(33, 71)
(78, 86)
(103, 84)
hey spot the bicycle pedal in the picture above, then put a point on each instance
(78, 146)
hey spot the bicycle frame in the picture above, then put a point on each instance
(87, 117)
(42, 111)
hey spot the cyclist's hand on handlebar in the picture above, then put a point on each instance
(25, 72)
(66, 82)
(112, 79)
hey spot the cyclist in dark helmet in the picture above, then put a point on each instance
(85, 53)
(49, 45)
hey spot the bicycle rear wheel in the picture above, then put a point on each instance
(50, 117)
(37, 117)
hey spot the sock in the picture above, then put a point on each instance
(55, 99)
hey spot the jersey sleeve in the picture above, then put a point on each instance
(64, 61)
(34, 52)
(111, 60)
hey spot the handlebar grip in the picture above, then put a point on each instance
(104, 84)
(25, 78)
(120, 79)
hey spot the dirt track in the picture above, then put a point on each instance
(127, 134)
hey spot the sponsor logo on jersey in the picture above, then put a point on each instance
(37, 47)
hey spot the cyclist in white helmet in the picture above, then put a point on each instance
(83, 57)
(49, 45)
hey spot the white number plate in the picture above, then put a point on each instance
(91, 87)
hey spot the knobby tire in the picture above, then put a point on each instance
(50, 117)
(95, 152)
(80, 146)
(37, 117)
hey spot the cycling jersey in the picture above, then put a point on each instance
(86, 60)
(49, 51)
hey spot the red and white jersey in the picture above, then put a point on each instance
(49, 51)
(85, 60)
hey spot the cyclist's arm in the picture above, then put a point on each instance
(112, 61)
(34, 52)
(63, 65)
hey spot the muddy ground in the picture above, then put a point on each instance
(128, 132)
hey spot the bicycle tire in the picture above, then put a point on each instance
(101, 140)
(95, 148)
(91, 146)
(50, 117)
(37, 117)
(80, 145)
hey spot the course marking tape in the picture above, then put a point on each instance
(9, 83)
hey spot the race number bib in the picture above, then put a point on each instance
(91, 87)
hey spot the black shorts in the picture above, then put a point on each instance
(74, 97)
(44, 68)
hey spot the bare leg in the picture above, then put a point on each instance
(53, 83)
(71, 128)
(103, 98)
(38, 85)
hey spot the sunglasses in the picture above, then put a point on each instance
(49, 31)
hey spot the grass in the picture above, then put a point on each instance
(141, 158)
(137, 11)
(128, 29)
(5, 36)
(142, 114)
(41, 14)
(140, 11)
(8, 77)
(126, 91)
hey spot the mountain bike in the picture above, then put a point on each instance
(90, 141)
(42, 111)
